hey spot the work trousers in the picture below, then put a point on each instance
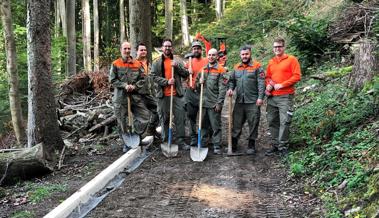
(178, 119)
(279, 116)
(192, 109)
(242, 112)
(211, 121)
(141, 115)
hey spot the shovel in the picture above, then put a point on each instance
(169, 149)
(131, 139)
(198, 153)
(230, 122)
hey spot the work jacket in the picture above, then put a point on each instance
(248, 81)
(215, 81)
(283, 70)
(158, 74)
(125, 72)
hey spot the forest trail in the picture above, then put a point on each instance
(221, 186)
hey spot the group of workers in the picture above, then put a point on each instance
(149, 88)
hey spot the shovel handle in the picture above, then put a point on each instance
(190, 70)
(171, 96)
(129, 111)
(230, 121)
(200, 109)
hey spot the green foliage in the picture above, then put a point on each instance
(297, 169)
(23, 214)
(309, 38)
(338, 128)
(37, 192)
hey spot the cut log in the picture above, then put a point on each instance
(20, 165)
(105, 122)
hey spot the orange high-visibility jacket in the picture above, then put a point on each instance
(284, 70)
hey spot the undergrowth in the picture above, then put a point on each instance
(337, 137)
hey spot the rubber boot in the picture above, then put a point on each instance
(234, 144)
(251, 148)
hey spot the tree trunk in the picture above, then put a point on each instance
(219, 11)
(71, 38)
(95, 36)
(63, 15)
(23, 164)
(184, 18)
(42, 118)
(13, 81)
(86, 36)
(365, 65)
(122, 21)
(140, 24)
(169, 9)
(57, 25)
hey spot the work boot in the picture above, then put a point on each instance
(251, 148)
(272, 151)
(184, 146)
(234, 144)
(216, 149)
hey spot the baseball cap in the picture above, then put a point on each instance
(196, 43)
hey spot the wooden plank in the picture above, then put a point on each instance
(93, 186)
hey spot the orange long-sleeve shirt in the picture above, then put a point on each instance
(197, 65)
(168, 75)
(283, 70)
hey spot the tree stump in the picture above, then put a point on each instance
(365, 65)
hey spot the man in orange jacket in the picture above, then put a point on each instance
(127, 78)
(283, 72)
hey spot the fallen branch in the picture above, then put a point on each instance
(104, 123)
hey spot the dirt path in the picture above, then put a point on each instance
(242, 186)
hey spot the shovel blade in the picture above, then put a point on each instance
(131, 140)
(198, 154)
(169, 150)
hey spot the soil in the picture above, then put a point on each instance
(221, 186)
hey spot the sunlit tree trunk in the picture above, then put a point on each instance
(86, 35)
(42, 118)
(95, 36)
(184, 19)
(219, 7)
(140, 24)
(57, 33)
(122, 21)
(63, 15)
(168, 11)
(71, 38)
(13, 78)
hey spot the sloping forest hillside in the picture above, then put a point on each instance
(334, 147)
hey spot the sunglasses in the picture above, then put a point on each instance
(279, 46)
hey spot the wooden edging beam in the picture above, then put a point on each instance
(96, 184)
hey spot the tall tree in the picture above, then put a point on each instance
(13, 81)
(169, 18)
(63, 15)
(95, 35)
(140, 24)
(122, 21)
(71, 38)
(86, 35)
(184, 19)
(42, 118)
(219, 9)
